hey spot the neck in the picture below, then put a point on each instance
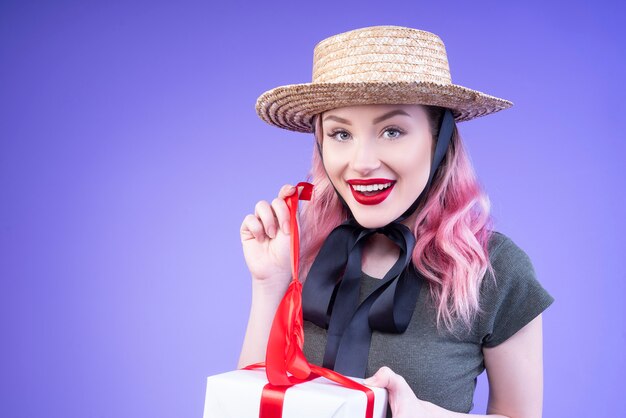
(380, 253)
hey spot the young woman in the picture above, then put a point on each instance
(406, 282)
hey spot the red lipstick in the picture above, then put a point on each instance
(374, 197)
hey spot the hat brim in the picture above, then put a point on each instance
(293, 106)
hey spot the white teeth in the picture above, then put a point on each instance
(370, 187)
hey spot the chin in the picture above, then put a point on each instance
(372, 221)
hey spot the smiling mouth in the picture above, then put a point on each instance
(370, 189)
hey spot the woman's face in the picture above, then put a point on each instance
(378, 157)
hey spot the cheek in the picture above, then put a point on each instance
(411, 161)
(334, 161)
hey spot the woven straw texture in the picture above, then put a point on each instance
(375, 65)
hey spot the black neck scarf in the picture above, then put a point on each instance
(330, 294)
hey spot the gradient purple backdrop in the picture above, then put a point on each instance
(130, 152)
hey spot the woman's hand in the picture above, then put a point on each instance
(403, 402)
(265, 240)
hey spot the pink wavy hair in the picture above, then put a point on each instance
(452, 229)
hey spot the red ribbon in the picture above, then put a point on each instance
(284, 347)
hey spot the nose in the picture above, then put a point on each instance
(365, 157)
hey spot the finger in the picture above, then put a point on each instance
(386, 378)
(286, 190)
(380, 378)
(281, 210)
(264, 212)
(251, 228)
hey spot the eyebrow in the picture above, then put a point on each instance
(377, 120)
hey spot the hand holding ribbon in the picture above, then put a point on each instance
(284, 349)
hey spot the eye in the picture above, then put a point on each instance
(339, 135)
(395, 133)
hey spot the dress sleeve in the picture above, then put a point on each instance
(515, 297)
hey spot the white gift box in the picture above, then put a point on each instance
(237, 394)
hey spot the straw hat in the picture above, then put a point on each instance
(375, 65)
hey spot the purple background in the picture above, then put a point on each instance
(130, 152)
